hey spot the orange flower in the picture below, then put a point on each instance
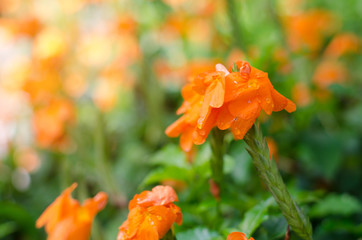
(42, 84)
(238, 236)
(282, 60)
(50, 122)
(225, 100)
(342, 44)
(301, 94)
(66, 219)
(26, 26)
(152, 214)
(308, 29)
(329, 72)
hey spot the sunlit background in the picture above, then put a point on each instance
(88, 87)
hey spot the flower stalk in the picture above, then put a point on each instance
(217, 159)
(268, 172)
(101, 161)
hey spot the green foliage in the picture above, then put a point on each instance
(255, 216)
(343, 205)
(198, 233)
(124, 150)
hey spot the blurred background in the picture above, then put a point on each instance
(87, 88)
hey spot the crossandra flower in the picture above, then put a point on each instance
(151, 215)
(238, 236)
(308, 29)
(329, 72)
(342, 44)
(50, 122)
(225, 100)
(66, 219)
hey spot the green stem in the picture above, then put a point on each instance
(153, 97)
(97, 233)
(169, 235)
(64, 176)
(101, 161)
(217, 159)
(269, 173)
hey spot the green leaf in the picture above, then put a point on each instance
(341, 225)
(170, 155)
(336, 205)
(158, 175)
(276, 227)
(321, 153)
(308, 196)
(25, 224)
(6, 229)
(198, 233)
(255, 216)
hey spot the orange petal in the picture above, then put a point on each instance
(177, 127)
(291, 107)
(199, 136)
(95, 204)
(225, 119)
(136, 217)
(244, 108)
(217, 91)
(162, 218)
(265, 97)
(237, 236)
(241, 126)
(160, 195)
(178, 213)
(204, 111)
(235, 86)
(61, 206)
(279, 101)
(186, 140)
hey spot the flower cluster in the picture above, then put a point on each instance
(66, 219)
(225, 99)
(151, 215)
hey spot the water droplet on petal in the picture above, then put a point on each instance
(268, 100)
(253, 84)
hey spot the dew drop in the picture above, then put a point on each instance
(268, 100)
(253, 84)
(159, 218)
